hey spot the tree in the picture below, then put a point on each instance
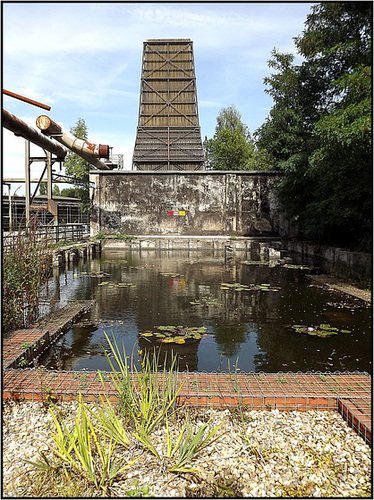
(43, 189)
(319, 128)
(231, 147)
(78, 168)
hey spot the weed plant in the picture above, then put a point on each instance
(148, 398)
(146, 395)
(87, 449)
(91, 449)
(27, 264)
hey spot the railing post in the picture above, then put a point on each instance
(57, 236)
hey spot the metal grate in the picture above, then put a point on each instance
(348, 393)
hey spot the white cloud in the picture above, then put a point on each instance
(84, 60)
(209, 104)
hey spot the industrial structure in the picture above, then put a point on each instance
(69, 211)
(168, 133)
(18, 210)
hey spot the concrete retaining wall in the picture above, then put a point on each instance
(257, 248)
(185, 203)
(355, 266)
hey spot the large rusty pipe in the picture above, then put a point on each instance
(90, 152)
(20, 128)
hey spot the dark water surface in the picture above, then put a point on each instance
(249, 330)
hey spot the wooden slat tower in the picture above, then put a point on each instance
(168, 133)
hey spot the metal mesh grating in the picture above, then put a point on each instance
(348, 393)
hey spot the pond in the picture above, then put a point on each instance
(242, 315)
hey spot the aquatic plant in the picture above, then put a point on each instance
(173, 334)
(205, 302)
(322, 330)
(255, 262)
(238, 287)
(172, 275)
(295, 266)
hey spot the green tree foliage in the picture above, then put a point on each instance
(319, 129)
(79, 168)
(43, 189)
(231, 147)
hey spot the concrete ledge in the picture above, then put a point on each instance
(256, 248)
(268, 173)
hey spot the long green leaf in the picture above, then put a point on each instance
(109, 421)
(147, 443)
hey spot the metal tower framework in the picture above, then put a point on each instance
(168, 133)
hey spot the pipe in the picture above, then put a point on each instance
(90, 152)
(26, 99)
(20, 128)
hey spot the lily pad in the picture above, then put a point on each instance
(294, 266)
(239, 287)
(254, 262)
(166, 328)
(174, 334)
(323, 330)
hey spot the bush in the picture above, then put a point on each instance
(27, 264)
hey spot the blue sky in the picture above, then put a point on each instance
(84, 60)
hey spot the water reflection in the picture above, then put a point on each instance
(135, 292)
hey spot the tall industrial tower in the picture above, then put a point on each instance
(168, 134)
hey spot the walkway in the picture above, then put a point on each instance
(22, 346)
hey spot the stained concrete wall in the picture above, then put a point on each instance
(209, 203)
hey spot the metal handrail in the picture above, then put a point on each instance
(59, 233)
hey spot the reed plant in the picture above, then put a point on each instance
(27, 264)
(189, 444)
(87, 448)
(146, 395)
(90, 450)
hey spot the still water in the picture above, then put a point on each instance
(248, 329)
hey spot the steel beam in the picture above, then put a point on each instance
(27, 179)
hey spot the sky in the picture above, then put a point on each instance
(84, 60)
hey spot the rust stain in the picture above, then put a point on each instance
(90, 146)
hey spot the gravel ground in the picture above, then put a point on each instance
(270, 454)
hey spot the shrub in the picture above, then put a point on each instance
(27, 264)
